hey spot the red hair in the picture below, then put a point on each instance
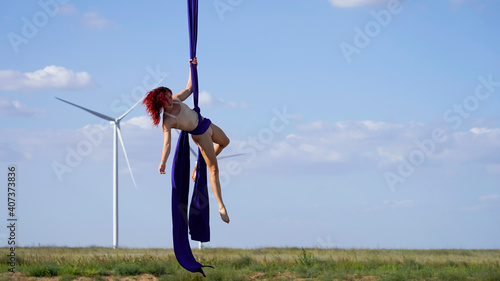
(154, 102)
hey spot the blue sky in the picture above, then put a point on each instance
(365, 123)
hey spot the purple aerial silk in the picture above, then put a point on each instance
(193, 39)
(198, 219)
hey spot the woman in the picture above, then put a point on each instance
(210, 139)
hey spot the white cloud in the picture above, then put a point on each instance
(14, 108)
(473, 209)
(359, 3)
(346, 141)
(460, 1)
(50, 78)
(322, 148)
(355, 3)
(402, 204)
(67, 9)
(346, 146)
(479, 145)
(387, 204)
(493, 169)
(491, 197)
(95, 20)
(143, 122)
(207, 101)
(488, 200)
(94, 139)
(7, 153)
(480, 131)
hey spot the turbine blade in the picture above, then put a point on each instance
(88, 110)
(222, 157)
(229, 156)
(130, 109)
(125, 152)
(161, 80)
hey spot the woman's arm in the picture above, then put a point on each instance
(184, 94)
(166, 148)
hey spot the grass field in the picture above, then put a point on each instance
(257, 264)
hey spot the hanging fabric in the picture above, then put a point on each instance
(198, 219)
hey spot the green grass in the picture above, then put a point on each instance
(258, 264)
(127, 269)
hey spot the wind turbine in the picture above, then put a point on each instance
(117, 135)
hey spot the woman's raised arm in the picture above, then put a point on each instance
(184, 94)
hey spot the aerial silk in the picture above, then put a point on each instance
(198, 219)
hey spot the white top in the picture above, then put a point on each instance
(171, 115)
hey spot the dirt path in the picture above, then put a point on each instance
(20, 277)
(148, 277)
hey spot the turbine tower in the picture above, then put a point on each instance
(116, 135)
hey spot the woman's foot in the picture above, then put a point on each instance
(223, 214)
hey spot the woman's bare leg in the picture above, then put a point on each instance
(220, 141)
(205, 144)
(219, 138)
